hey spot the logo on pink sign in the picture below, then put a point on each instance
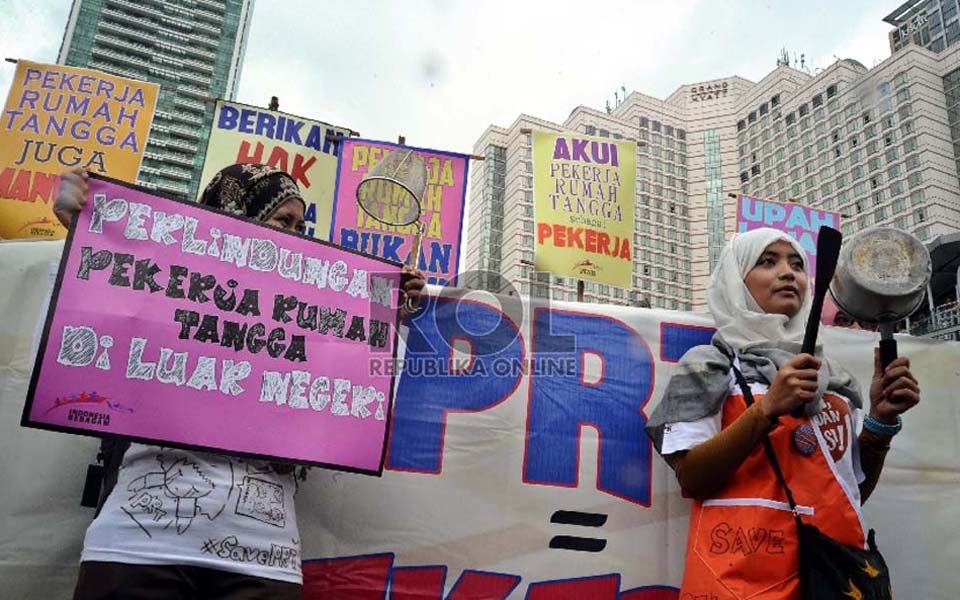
(800, 222)
(442, 209)
(175, 324)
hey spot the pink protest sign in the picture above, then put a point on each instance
(801, 222)
(175, 324)
(442, 209)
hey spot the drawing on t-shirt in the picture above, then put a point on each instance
(177, 493)
(261, 500)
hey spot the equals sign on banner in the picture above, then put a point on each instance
(580, 519)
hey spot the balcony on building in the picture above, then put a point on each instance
(211, 29)
(189, 104)
(196, 79)
(140, 26)
(191, 133)
(213, 43)
(138, 8)
(193, 91)
(182, 145)
(177, 190)
(220, 7)
(200, 52)
(116, 70)
(198, 65)
(125, 45)
(209, 16)
(169, 157)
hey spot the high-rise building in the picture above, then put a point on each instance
(881, 146)
(933, 24)
(193, 48)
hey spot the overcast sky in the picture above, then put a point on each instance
(439, 72)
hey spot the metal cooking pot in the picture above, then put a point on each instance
(881, 277)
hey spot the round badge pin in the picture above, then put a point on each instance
(804, 439)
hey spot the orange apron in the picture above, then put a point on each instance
(743, 540)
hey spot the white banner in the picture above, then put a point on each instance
(517, 466)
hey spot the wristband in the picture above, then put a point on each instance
(874, 426)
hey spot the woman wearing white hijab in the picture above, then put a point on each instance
(742, 542)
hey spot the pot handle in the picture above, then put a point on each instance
(888, 351)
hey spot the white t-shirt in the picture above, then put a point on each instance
(177, 507)
(835, 425)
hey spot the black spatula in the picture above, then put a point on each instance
(828, 251)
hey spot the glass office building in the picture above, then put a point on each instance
(193, 48)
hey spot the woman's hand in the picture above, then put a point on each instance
(892, 391)
(71, 195)
(411, 282)
(794, 386)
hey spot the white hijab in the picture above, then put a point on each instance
(739, 319)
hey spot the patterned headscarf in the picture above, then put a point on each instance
(250, 190)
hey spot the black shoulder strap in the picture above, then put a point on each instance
(111, 453)
(767, 446)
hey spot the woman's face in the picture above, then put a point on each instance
(778, 282)
(289, 216)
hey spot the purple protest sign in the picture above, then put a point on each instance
(175, 324)
(442, 209)
(801, 222)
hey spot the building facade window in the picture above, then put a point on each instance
(951, 87)
(714, 186)
(491, 215)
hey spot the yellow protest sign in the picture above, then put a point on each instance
(305, 149)
(584, 199)
(57, 118)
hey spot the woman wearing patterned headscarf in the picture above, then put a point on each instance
(742, 541)
(257, 192)
(184, 524)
